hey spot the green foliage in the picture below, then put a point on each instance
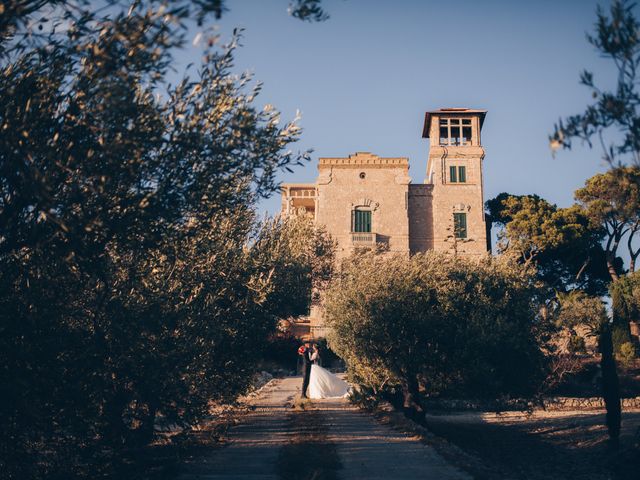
(575, 308)
(612, 198)
(450, 324)
(612, 201)
(498, 210)
(577, 345)
(365, 397)
(328, 356)
(625, 302)
(536, 226)
(309, 10)
(23, 23)
(625, 298)
(134, 284)
(303, 259)
(562, 243)
(620, 335)
(616, 38)
(627, 353)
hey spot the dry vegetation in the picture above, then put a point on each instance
(543, 446)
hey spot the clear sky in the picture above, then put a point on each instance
(364, 78)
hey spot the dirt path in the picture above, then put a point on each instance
(329, 440)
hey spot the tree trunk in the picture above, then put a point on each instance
(611, 266)
(115, 428)
(610, 386)
(412, 404)
(634, 255)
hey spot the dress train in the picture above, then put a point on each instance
(324, 384)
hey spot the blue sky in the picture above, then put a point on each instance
(364, 78)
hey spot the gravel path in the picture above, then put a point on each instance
(330, 439)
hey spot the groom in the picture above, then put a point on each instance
(306, 352)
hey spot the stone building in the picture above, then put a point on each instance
(364, 200)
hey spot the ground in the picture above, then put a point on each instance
(545, 445)
(283, 438)
(327, 439)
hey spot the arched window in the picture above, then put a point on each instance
(361, 220)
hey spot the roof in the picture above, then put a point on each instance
(449, 111)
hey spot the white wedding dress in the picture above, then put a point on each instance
(324, 384)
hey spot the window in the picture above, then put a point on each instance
(361, 221)
(455, 131)
(460, 225)
(457, 174)
(462, 174)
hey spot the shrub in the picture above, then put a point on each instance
(620, 335)
(627, 353)
(436, 323)
(576, 344)
(328, 356)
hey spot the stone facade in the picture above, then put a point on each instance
(364, 200)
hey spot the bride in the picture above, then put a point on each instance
(323, 383)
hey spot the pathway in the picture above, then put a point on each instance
(330, 440)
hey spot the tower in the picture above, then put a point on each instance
(454, 168)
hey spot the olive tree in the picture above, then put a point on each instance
(436, 322)
(302, 256)
(131, 286)
(613, 119)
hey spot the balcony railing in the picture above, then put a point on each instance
(363, 239)
(302, 193)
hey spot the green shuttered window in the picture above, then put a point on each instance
(453, 178)
(460, 225)
(361, 221)
(462, 174)
(458, 174)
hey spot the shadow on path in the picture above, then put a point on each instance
(309, 455)
(331, 439)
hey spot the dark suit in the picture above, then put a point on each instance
(306, 370)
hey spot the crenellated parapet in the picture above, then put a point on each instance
(360, 159)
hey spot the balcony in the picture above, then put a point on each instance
(302, 192)
(363, 239)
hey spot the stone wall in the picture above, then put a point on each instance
(594, 403)
(367, 181)
(549, 403)
(450, 198)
